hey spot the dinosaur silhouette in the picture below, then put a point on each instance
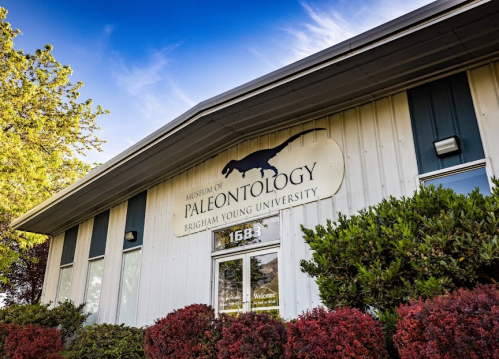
(260, 159)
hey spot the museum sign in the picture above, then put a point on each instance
(260, 183)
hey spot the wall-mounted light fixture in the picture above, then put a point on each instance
(131, 236)
(447, 146)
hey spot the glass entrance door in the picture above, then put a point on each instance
(248, 281)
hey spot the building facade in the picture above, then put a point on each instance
(208, 209)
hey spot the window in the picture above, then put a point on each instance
(69, 247)
(462, 181)
(129, 287)
(135, 218)
(67, 258)
(99, 235)
(439, 110)
(246, 274)
(94, 284)
(96, 266)
(65, 278)
(442, 110)
(130, 273)
(247, 282)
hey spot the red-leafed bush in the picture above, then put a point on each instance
(252, 336)
(464, 324)
(33, 342)
(328, 334)
(191, 332)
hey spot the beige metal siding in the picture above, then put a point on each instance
(51, 281)
(376, 139)
(112, 265)
(380, 161)
(484, 84)
(175, 271)
(377, 142)
(80, 263)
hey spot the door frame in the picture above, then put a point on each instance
(245, 255)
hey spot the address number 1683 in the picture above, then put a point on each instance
(245, 234)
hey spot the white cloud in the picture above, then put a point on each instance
(264, 58)
(181, 95)
(149, 85)
(326, 29)
(327, 26)
(136, 79)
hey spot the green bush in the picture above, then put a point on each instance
(70, 318)
(27, 314)
(406, 248)
(67, 317)
(106, 341)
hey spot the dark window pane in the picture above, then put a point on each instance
(99, 235)
(69, 247)
(464, 182)
(135, 218)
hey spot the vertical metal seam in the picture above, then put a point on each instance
(333, 201)
(347, 162)
(362, 154)
(396, 140)
(379, 148)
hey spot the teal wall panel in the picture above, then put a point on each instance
(441, 109)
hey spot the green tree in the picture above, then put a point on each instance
(43, 127)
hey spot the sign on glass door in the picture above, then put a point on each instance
(248, 281)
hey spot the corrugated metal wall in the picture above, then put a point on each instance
(51, 280)
(484, 84)
(376, 139)
(80, 264)
(112, 265)
(377, 142)
(380, 161)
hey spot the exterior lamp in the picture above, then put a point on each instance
(131, 236)
(447, 145)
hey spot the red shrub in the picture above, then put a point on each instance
(33, 342)
(464, 324)
(328, 334)
(191, 332)
(252, 336)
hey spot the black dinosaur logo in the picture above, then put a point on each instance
(260, 159)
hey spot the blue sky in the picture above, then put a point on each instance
(149, 62)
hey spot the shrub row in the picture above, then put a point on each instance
(194, 332)
(38, 332)
(464, 324)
